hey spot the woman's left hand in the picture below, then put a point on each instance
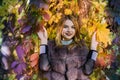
(94, 42)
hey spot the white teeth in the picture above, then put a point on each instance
(69, 34)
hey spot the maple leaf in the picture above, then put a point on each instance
(103, 34)
(91, 30)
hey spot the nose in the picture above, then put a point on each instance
(69, 29)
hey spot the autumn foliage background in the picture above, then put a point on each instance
(21, 19)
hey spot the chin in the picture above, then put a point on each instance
(69, 38)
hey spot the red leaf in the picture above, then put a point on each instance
(46, 16)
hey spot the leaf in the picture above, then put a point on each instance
(26, 29)
(91, 30)
(34, 59)
(21, 22)
(20, 52)
(68, 12)
(14, 64)
(46, 16)
(40, 26)
(57, 17)
(18, 76)
(118, 71)
(27, 45)
(51, 20)
(104, 59)
(117, 20)
(1, 40)
(101, 30)
(1, 26)
(34, 77)
(20, 9)
(116, 40)
(98, 74)
(20, 68)
(103, 35)
(34, 56)
(11, 77)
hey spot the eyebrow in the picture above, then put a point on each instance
(72, 26)
(67, 25)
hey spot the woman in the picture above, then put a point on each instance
(66, 58)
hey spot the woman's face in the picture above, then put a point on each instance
(68, 31)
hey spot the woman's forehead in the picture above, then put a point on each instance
(68, 22)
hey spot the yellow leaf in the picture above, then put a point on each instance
(91, 30)
(58, 15)
(103, 34)
(51, 20)
(67, 11)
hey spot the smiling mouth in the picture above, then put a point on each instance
(68, 34)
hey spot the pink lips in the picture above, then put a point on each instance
(68, 34)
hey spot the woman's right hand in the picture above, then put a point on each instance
(42, 34)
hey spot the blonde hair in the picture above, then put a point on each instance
(76, 38)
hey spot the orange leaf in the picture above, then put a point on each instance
(104, 59)
(34, 63)
(34, 59)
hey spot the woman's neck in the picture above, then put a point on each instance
(66, 42)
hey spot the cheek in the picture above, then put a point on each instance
(74, 32)
(63, 31)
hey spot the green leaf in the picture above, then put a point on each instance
(34, 77)
(35, 38)
(5, 6)
(0, 41)
(11, 77)
(118, 71)
(39, 19)
(114, 47)
(1, 26)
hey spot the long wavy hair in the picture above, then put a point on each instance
(74, 19)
